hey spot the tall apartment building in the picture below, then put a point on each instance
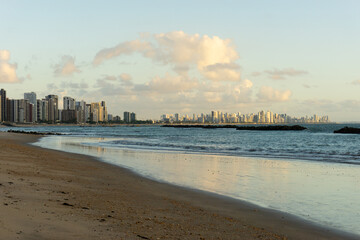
(31, 97)
(3, 105)
(98, 112)
(53, 107)
(104, 112)
(126, 117)
(44, 110)
(68, 103)
(80, 108)
(88, 113)
(14, 110)
(39, 110)
(95, 110)
(132, 117)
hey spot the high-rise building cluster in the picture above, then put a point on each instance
(129, 117)
(261, 117)
(31, 110)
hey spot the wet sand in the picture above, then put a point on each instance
(48, 194)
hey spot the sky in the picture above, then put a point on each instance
(157, 57)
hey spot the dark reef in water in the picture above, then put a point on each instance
(33, 132)
(348, 130)
(256, 128)
(272, 128)
(199, 126)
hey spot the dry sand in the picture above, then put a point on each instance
(47, 194)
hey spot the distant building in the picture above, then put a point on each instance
(116, 119)
(68, 116)
(132, 117)
(88, 113)
(80, 108)
(126, 117)
(68, 103)
(104, 112)
(30, 109)
(31, 97)
(3, 105)
(98, 112)
(53, 108)
(44, 110)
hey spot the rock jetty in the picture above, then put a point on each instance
(198, 126)
(272, 128)
(33, 132)
(348, 130)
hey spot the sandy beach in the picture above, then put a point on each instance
(47, 194)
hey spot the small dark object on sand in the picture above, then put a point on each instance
(67, 204)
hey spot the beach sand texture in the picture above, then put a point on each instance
(47, 194)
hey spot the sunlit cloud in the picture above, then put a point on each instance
(66, 67)
(125, 77)
(214, 58)
(171, 84)
(7, 69)
(267, 93)
(123, 48)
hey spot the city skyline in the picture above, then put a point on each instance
(30, 109)
(261, 117)
(295, 58)
(47, 109)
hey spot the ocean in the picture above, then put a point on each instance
(313, 174)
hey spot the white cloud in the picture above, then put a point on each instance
(171, 84)
(267, 93)
(213, 57)
(66, 67)
(222, 72)
(356, 82)
(125, 77)
(109, 77)
(123, 48)
(246, 83)
(7, 70)
(277, 74)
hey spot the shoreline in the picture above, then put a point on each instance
(211, 212)
(21, 125)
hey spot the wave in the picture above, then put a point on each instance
(245, 151)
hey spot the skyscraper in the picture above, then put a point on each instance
(31, 97)
(126, 117)
(104, 112)
(53, 107)
(132, 117)
(68, 103)
(3, 105)
(80, 108)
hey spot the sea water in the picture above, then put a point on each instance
(313, 174)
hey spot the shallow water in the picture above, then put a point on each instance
(317, 143)
(325, 192)
(314, 174)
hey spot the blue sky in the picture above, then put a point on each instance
(154, 57)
